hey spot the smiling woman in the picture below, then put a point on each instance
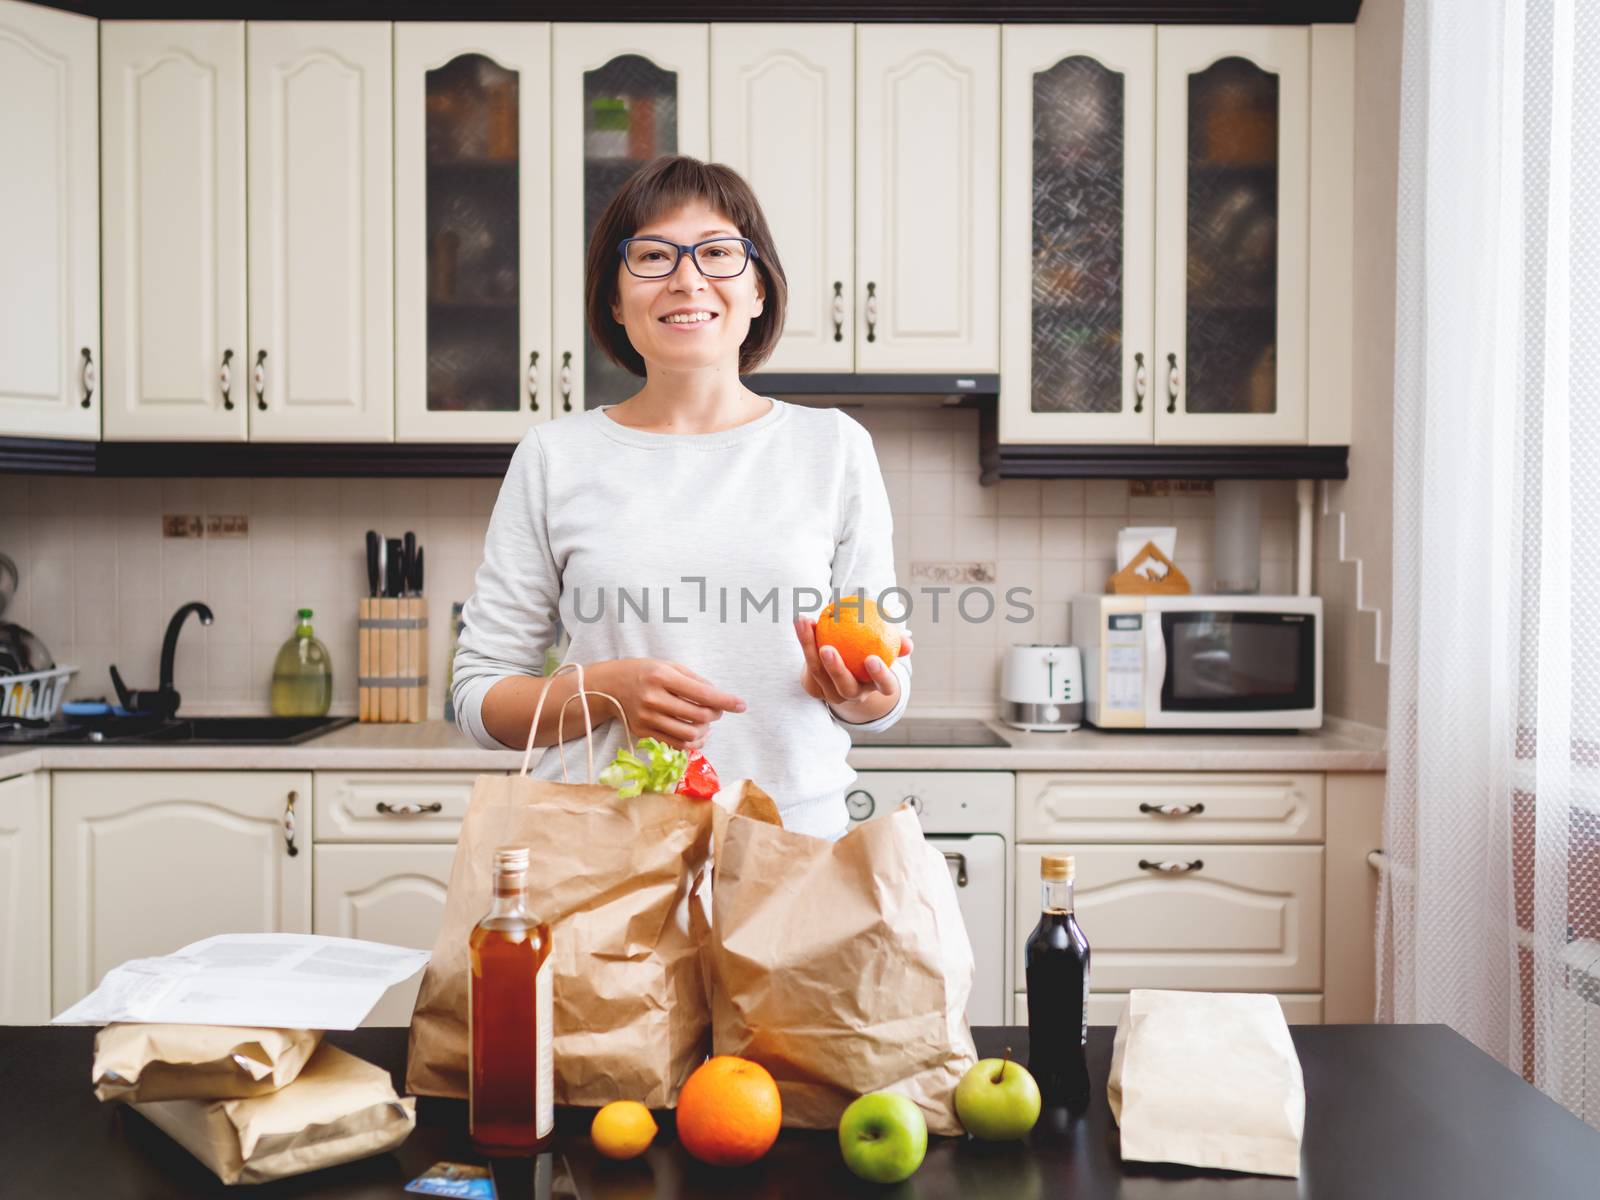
(706, 509)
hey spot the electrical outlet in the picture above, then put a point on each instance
(182, 525)
(235, 525)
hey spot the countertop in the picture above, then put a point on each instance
(436, 746)
(1413, 1111)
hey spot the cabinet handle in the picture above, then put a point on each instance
(1141, 382)
(288, 825)
(408, 810)
(533, 381)
(1173, 810)
(838, 310)
(86, 374)
(1173, 383)
(258, 379)
(960, 861)
(566, 381)
(225, 378)
(1171, 868)
(872, 311)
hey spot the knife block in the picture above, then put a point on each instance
(392, 683)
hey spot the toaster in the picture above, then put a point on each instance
(1041, 688)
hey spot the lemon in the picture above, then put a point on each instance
(623, 1129)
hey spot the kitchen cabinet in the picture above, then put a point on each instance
(50, 263)
(782, 115)
(472, 230)
(393, 894)
(1171, 303)
(392, 806)
(145, 862)
(25, 899)
(172, 191)
(621, 95)
(1131, 806)
(927, 201)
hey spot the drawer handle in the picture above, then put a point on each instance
(1173, 810)
(408, 810)
(289, 825)
(959, 860)
(1171, 868)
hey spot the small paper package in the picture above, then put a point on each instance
(139, 1062)
(341, 1108)
(1209, 1079)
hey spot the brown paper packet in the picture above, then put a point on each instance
(138, 1062)
(1208, 1079)
(341, 1108)
(842, 967)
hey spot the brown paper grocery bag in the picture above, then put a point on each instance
(1209, 1079)
(613, 877)
(842, 967)
(135, 1062)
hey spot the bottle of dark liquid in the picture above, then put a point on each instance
(1058, 992)
(511, 1088)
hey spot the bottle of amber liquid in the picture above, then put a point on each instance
(511, 1088)
(1058, 992)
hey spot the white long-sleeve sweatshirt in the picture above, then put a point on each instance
(695, 548)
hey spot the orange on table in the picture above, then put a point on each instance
(729, 1111)
(855, 628)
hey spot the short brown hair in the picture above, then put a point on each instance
(661, 186)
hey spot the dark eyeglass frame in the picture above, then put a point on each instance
(749, 257)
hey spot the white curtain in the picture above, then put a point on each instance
(1490, 910)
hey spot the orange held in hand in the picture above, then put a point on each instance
(855, 628)
(729, 1112)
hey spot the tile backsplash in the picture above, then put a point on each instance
(99, 580)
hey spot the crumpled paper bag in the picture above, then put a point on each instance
(134, 1061)
(1210, 1079)
(341, 1108)
(614, 878)
(842, 967)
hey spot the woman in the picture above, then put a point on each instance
(687, 536)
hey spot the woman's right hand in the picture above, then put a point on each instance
(663, 700)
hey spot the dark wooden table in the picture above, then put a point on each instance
(1409, 1112)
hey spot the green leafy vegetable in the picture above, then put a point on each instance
(656, 768)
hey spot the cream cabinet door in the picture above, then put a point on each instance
(172, 198)
(782, 108)
(50, 212)
(1077, 191)
(392, 894)
(927, 198)
(1232, 219)
(145, 862)
(1204, 806)
(621, 94)
(1231, 918)
(472, 229)
(321, 203)
(25, 899)
(392, 806)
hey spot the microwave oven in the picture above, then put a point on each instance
(1200, 662)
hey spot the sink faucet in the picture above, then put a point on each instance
(162, 702)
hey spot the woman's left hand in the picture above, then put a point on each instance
(827, 678)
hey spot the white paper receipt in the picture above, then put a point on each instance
(277, 980)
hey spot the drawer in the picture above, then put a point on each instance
(391, 806)
(1105, 1008)
(1247, 918)
(1133, 806)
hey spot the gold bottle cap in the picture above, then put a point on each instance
(1060, 867)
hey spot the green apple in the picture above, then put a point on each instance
(883, 1137)
(998, 1100)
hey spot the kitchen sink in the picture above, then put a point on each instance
(236, 731)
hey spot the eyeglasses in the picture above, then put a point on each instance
(656, 258)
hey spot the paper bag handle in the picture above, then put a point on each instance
(533, 727)
(588, 725)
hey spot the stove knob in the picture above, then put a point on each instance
(916, 804)
(859, 804)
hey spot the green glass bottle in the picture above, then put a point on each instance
(302, 675)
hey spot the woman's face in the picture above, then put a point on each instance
(642, 303)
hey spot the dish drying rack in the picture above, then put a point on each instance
(36, 695)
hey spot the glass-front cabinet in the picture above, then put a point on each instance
(623, 94)
(1155, 211)
(472, 230)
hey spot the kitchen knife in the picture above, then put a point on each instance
(395, 577)
(416, 574)
(372, 563)
(383, 568)
(408, 580)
